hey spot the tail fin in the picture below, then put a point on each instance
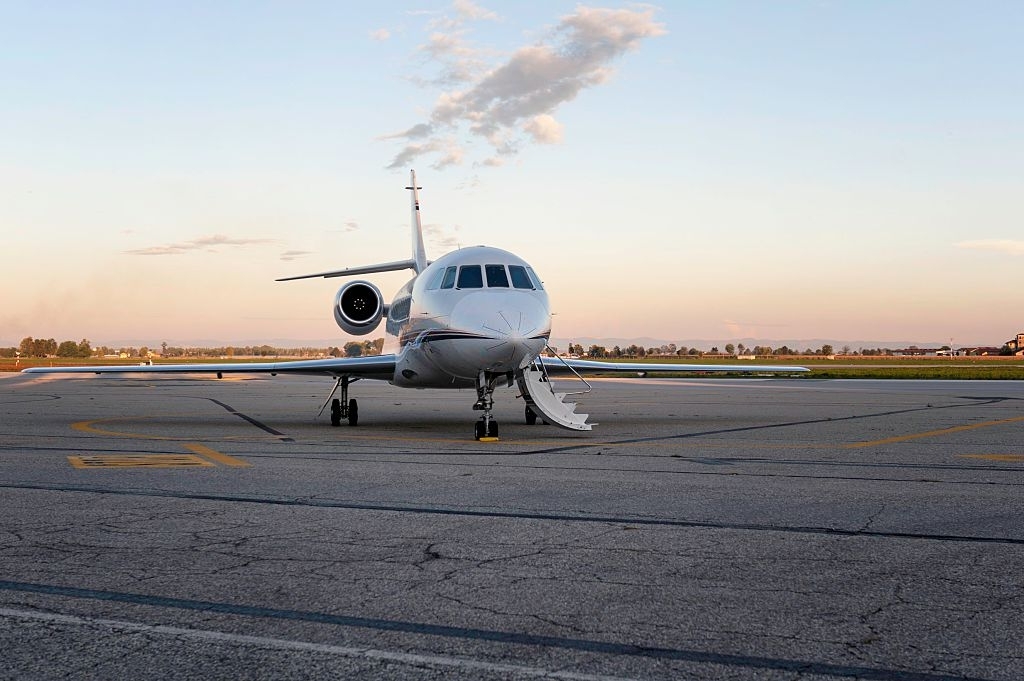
(419, 254)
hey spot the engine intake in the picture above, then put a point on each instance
(358, 307)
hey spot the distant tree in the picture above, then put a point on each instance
(85, 348)
(741, 349)
(826, 349)
(682, 350)
(616, 351)
(67, 349)
(846, 349)
(163, 348)
(730, 348)
(26, 347)
(353, 349)
(714, 349)
(597, 351)
(694, 352)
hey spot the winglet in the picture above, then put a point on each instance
(419, 253)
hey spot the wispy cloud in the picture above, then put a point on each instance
(1008, 246)
(380, 35)
(511, 102)
(294, 255)
(205, 243)
(443, 238)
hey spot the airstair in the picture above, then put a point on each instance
(538, 391)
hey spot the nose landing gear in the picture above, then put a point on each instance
(485, 385)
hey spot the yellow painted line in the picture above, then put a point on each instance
(994, 457)
(90, 427)
(216, 456)
(933, 433)
(139, 461)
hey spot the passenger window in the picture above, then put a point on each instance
(435, 283)
(535, 278)
(496, 277)
(449, 278)
(520, 279)
(470, 277)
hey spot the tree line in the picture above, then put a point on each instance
(49, 347)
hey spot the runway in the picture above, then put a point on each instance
(705, 529)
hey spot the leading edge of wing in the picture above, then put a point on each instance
(560, 365)
(375, 366)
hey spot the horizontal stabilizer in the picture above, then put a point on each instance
(353, 271)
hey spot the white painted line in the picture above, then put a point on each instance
(305, 646)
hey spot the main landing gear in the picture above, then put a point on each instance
(343, 407)
(485, 385)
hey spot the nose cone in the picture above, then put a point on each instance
(511, 328)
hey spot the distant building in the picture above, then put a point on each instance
(1016, 345)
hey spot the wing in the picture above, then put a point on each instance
(559, 365)
(381, 367)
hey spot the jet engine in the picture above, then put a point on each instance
(358, 307)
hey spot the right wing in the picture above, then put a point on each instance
(380, 367)
(560, 365)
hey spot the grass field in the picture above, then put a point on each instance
(944, 368)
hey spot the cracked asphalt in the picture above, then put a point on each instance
(706, 529)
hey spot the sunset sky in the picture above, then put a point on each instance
(805, 169)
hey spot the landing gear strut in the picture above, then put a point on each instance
(485, 385)
(343, 407)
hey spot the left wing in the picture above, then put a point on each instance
(381, 367)
(560, 365)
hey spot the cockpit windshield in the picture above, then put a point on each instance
(493, 275)
(496, 277)
(470, 277)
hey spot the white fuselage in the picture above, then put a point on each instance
(474, 310)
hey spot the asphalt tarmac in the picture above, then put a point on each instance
(706, 529)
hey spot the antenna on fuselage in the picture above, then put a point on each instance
(419, 253)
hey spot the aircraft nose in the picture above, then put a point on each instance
(513, 327)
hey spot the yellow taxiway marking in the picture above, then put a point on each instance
(932, 433)
(203, 450)
(994, 457)
(139, 461)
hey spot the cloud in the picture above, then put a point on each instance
(207, 243)
(544, 129)
(442, 238)
(350, 226)
(1008, 246)
(294, 255)
(512, 102)
(380, 35)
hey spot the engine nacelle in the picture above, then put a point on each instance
(358, 307)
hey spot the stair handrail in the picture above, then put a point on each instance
(568, 366)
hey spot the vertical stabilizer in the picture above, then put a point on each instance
(419, 254)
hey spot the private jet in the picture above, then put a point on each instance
(477, 317)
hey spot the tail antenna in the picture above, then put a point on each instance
(419, 253)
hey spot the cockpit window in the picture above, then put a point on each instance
(496, 277)
(449, 278)
(535, 278)
(520, 279)
(470, 277)
(435, 283)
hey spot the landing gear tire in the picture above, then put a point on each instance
(531, 416)
(479, 430)
(492, 428)
(336, 412)
(353, 412)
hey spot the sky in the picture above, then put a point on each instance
(800, 169)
